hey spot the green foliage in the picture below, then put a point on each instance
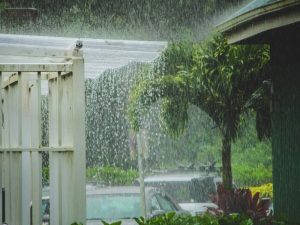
(216, 77)
(111, 175)
(220, 79)
(119, 19)
(175, 58)
(206, 219)
(228, 76)
(265, 190)
(107, 175)
(241, 201)
(251, 159)
(114, 223)
(45, 176)
(2, 6)
(245, 175)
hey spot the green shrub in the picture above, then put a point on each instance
(107, 175)
(247, 175)
(207, 219)
(111, 175)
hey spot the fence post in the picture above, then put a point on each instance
(79, 166)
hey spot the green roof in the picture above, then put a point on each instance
(260, 16)
(254, 5)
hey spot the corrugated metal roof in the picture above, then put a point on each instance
(99, 54)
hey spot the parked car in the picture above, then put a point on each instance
(191, 190)
(121, 203)
(45, 210)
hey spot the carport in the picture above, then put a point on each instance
(277, 23)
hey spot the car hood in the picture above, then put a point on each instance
(197, 208)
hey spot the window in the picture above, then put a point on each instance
(113, 206)
(154, 204)
(165, 203)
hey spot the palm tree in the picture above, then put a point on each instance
(222, 80)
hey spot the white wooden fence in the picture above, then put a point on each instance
(20, 136)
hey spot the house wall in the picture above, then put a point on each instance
(285, 60)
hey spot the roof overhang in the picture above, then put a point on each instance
(248, 25)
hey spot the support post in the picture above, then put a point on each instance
(285, 57)
(141, 172)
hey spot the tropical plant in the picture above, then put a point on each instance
(224, 81)
(206, 219)
(265, 190)
(242, 202)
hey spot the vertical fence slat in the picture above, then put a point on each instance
(15, 158)
(1, 166)
(36, 157)
(67, 140)
(6, 184)
(6, 155)
(54, 158)
(36, 188)
(59, 108)
(25, 133)
(1, 145)
(15, 179)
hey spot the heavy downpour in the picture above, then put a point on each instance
(149, 112)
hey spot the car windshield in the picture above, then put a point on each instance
(195, 190)
(45, 204)
(113, 206)
(180, 191)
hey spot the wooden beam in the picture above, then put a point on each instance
(42, 149)
(34, 51)
(36, 67)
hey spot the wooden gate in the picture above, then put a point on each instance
(20, 137)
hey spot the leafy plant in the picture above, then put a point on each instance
(241, 201)
(206, 219)
(265, 190)
(175, 219)
(113, 223)
(222, 80)
(77, 223)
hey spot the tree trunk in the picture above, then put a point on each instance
(226, 163)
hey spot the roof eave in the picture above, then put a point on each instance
(261, 19)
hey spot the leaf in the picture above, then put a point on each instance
(170, 215)
(116, 223)
(140, 221)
